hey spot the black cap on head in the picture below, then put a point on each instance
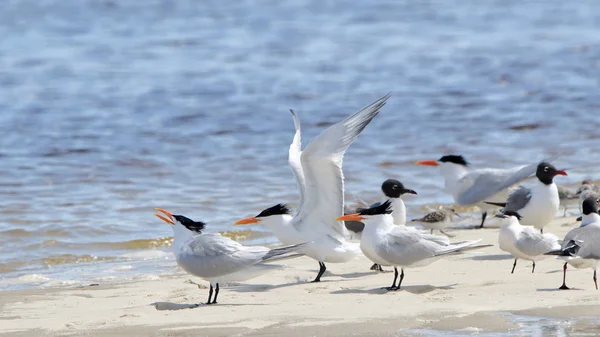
(384, 208)
(456, 159)
(546, 172)
(590, 205)
(513, 213)
(393, 188)
(194, 226)
(275, 210)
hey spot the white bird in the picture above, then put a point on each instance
(537, 205)
(474, 186)
(216, 258)
(318, 172)
(581, 246)
(524, 242)
(399, 246)
(393, 190)
(438, 219)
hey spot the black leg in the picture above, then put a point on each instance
(393, 287)
(564, 285)
(542, 230)
(401, 277)
(210, 292)
(216, 294)
(514, 265)
(533, 268)
(483, 215)
(322, 269)
(595, 281)
(431, 232)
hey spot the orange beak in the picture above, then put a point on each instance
(168, 219)
(427, 163)
(350, 217)
(247, 221)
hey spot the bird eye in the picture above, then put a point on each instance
(395, 187)
(546, 169)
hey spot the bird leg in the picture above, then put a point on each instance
(533, 268)
(377, 267)
(514, 265)
(542, 230)
(483, 215)
(401, 278)
(595, 281)
(210, 292)
(431, 232)
(322, 269)
(393, 287)
(216, 294)
(564, 285)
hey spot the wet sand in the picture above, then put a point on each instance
(469, 291)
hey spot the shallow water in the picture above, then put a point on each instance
(529, 326)
(112, 108)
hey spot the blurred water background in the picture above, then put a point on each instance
(111, 108)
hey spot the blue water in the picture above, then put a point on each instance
(112, 108)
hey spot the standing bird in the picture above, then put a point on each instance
(567, 197)
(581, 246)
(524, 242)
(537, 205)
(474, 186)
(318, 172)
(218, 259)
(587, 189)
(399, 246)
(439, 220)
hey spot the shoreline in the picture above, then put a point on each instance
(472, 291)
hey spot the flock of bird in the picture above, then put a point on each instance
(321, 225)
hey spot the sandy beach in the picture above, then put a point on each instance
(473, 291)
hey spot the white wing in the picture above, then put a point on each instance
(322, 166)
(294, 159)
(212, 255)
(489, 182)
(533, 243)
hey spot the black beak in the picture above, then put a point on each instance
(579, 219)
(502, 216)
(408, 191)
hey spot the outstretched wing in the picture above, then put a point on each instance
(492, 181)
(294, 155)
(322, 166)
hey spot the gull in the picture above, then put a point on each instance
(587, 189)
(566, 197)
(398, 246)
(537, 205)
(474, 186)
(581, 246)
(524, 242)
(318, 173)
(218, 259)
(438, 219)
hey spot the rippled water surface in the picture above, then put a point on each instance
(110, 108)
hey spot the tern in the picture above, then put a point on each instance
(474, 186)
(218, 259)
(398, 246)
(581, 246)
(524, 242)
(537, 205)
(318, 173)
